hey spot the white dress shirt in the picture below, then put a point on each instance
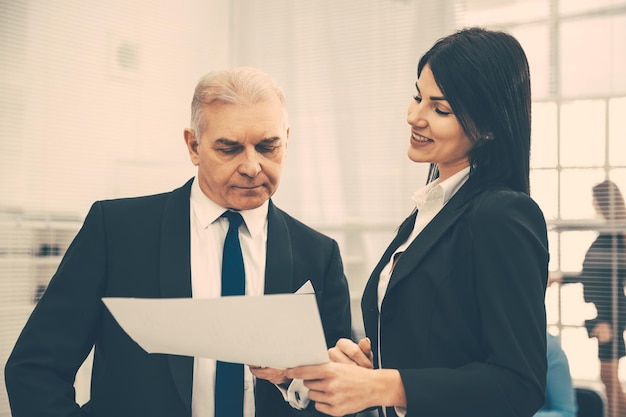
(208, 232)
(429, 201)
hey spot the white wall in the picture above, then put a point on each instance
(96, 94)
(94, 97)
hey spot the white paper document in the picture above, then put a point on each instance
(278, 331)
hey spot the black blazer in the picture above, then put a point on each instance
(140, 247)
(463, 318)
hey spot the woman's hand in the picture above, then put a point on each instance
(348, 352)
(337, 388)
(340, 388)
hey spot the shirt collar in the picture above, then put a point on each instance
(440, 190)
(207, 211)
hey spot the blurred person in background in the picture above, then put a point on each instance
(603, 277)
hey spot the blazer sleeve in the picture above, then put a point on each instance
(59, 334)
(509, 257)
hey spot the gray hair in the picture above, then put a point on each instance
(242, 85)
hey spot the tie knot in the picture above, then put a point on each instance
(234, 218)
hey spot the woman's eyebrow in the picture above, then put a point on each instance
(433, 98)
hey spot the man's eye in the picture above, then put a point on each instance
(229, 151)
(267, 148)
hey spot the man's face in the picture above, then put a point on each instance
(241, 152)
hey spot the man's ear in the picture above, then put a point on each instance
(192, 145)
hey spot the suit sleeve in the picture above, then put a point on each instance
(60, 332)
(511, 273)
(335, 301)
(334, 306)
(321, 261)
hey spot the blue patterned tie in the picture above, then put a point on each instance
(229, 376)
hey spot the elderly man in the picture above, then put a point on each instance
(175, 245)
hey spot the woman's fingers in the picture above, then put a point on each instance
(346, 351)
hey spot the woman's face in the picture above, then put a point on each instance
(436, 134)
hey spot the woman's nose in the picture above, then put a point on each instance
(415, 114)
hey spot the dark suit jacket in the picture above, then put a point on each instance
(140, 247)
(463, 318)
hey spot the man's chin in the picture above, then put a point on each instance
(249, 201)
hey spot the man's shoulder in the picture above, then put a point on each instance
(146, 200)
(297, 227)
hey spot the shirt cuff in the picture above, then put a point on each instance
(297, 395)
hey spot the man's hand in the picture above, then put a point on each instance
(275, 376)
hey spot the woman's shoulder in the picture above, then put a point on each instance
(500, 201)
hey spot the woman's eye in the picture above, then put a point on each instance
(442, 112)
(417, 98)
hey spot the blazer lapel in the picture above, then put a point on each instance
(369, 299)
(404, 231)
(447, 217)
(279, 258)
(175, 274)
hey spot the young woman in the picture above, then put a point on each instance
(454, 309)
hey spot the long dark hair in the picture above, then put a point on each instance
(484, 75)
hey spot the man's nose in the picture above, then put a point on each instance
(250, 164)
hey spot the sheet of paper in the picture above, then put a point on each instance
(278, 331)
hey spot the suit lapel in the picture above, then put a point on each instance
(369, 299)
(412, 256)
(370, 291)
(445, 219)
(175, 274)
(279, 258)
